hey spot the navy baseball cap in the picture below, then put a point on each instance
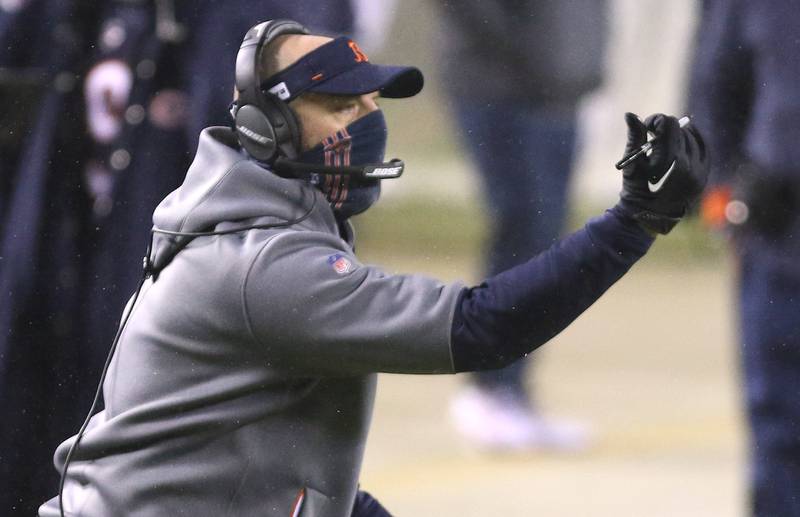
(340, 67)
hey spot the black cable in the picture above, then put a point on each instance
(99, 390)
(145, 275)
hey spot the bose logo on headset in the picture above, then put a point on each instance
(384, 172)
(252, 135)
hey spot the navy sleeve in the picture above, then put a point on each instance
(516, 311)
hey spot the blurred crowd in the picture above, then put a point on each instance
(103, 102)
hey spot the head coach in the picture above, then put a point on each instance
(243, 377)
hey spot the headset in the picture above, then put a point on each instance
(264, 124)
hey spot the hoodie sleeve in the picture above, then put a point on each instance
(313, 308)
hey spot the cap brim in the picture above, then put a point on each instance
(390, 81)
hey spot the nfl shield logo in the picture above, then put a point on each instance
(340, 264)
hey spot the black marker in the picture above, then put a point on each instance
(647, 146)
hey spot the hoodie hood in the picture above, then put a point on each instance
(223, 189)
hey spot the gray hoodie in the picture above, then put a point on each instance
(244, 381)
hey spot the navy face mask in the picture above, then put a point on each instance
(362, 142)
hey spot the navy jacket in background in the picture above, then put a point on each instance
(746, 101)
(745, 96)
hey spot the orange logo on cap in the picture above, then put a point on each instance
(360, 56)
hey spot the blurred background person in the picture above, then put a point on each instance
(123, 90)
(745, 97)
(40, 153)
(515, 72)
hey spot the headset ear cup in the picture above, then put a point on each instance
(256, 133)
(265, 125)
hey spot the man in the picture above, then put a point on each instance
(745, 96)
(244, 377)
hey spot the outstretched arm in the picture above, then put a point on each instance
(516, 311)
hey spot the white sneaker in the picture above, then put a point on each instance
(501, 422)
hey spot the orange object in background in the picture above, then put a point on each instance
(713, 206)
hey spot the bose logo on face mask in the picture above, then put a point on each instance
(383, 172)
(252, 135)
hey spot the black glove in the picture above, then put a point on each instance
(658, 189)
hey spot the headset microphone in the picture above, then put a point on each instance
(370, 171)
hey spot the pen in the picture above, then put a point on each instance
(647, 146)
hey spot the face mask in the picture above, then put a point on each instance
(362, 142)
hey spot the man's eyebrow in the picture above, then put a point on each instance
(339, 100)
